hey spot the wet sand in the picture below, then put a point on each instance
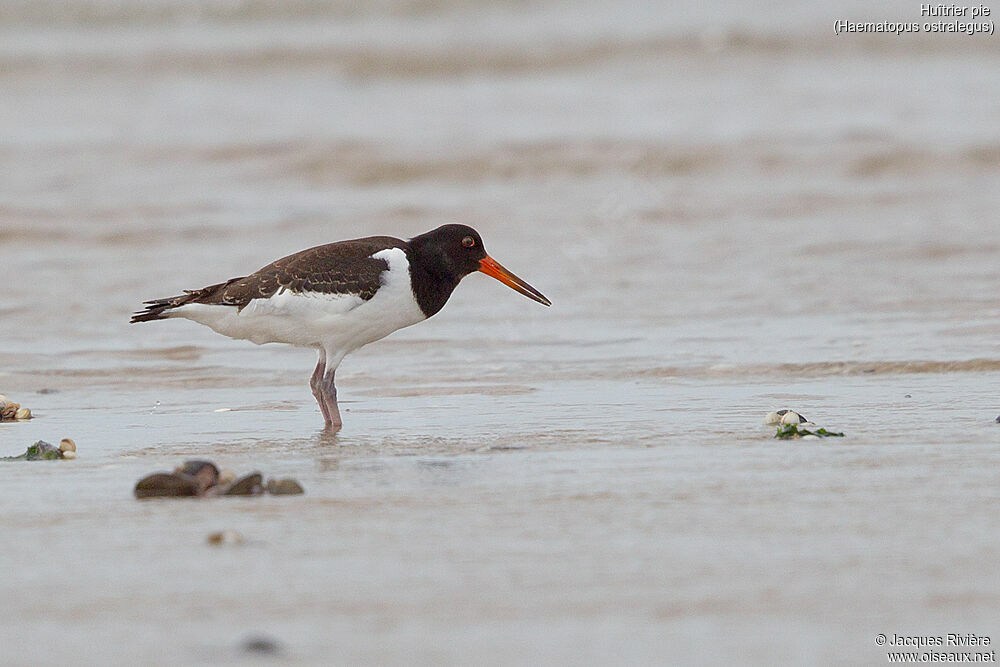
(732, 213)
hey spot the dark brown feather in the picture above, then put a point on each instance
(345, 267)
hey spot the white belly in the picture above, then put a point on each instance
(338, 323)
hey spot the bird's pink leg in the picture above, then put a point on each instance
(333, 420)
(316, 384)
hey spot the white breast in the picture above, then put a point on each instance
(339, 323)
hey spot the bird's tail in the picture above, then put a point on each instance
(157, 309)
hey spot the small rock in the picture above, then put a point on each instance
(67, 445)
(225, 538)
(202, 478)
(260, 645)
(69, 455)
(195, 466)
(250, 485)
(205, 472)
(166, 485)
(810, 437)
(42, 451)
(22, 414)
(284, 487)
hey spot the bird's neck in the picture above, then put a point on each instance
(431, 281)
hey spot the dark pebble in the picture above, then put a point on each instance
(284, 487)
(167, 485)
(251, 485)
(204, 471)
(260, 646)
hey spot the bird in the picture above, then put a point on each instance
(340, 296)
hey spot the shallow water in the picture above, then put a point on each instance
(732, 210)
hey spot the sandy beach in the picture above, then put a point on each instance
(733, 210)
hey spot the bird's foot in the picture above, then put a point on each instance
(317, 386)
(329, 401)
(332, 414)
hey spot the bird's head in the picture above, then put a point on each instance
(455, 251)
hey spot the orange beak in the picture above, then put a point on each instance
(492, 268)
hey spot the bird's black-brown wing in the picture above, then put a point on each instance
(345, 267)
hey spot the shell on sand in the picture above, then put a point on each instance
(792, 417)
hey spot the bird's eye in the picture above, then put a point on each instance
(468, 241)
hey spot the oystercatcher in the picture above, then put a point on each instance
(340, 296)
